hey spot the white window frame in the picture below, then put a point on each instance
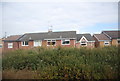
(65, 40)
(106, 42)
(51, 40)
(23, 43)
(83, 43)
(1, 45)
(39, 43)
(10, 45)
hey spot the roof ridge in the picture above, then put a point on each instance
(48, 32)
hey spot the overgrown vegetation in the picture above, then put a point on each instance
(66, 63)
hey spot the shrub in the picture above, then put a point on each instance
(66, 63)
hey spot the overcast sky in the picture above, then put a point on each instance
(83, 17)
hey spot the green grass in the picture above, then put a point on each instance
(66, 63)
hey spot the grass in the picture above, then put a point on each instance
(63, 63)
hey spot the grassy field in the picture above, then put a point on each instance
(62, 63)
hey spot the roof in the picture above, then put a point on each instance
(101, 37)
(48, 35)
(87, 36)
(12, 38)
(113, 34)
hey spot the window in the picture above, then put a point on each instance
(83, 43)
(106, 43)
(51, 42)
(118, 41)
(25, 43)
(37, 43)
(0, 45)
(10, 45)
(65, 42)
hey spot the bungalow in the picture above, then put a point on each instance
(107, 38)
(85, 40)
(11, 42)
(49, 39)
(101, 40)
(114, 36)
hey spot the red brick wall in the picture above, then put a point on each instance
(5, 46)
(30, 45)
(97, 44)
(58, 43)
(17, 45)
(89, 45)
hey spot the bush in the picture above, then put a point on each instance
(66, 63)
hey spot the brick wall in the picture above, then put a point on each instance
(89, 45)
(114, 42)
(96, 42)
(58, 43)
(30, 45)
(5, 46)
(100, 43)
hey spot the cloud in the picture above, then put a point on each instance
(19, 18)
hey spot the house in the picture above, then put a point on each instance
(11, 43)
(85, 40)
(114, 36)
(101, 40)
(48, 39)
(45, 39)
(107, 38)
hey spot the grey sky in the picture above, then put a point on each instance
(84, 17)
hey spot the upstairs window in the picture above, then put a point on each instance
(51, 42)
(106, 43)
(65, 42)
(10, 45)
(25, 43)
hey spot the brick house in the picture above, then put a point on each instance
(114, 36)
(85, 40)
(101, 40)
(11, 43)
(49, 39)
(107, 38)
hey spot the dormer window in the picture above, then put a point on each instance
(83, 41)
